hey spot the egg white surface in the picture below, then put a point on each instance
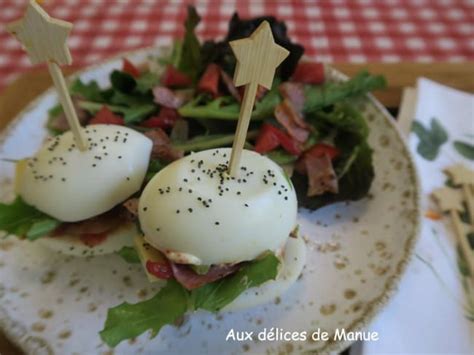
(120, 237)
(71, 185)
(195, 214)
(293, 263)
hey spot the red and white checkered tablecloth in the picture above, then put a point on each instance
(331, 31)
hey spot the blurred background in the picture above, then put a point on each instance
(356, 31)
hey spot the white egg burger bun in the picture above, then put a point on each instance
(74, 186)
(197, 216)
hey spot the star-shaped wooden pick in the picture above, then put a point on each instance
(460, 174)
(257, 57)
(448, 199)
(44, 38)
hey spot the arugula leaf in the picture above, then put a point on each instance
(430, 140)
(216, 295)
(209, 141)
(281, 157)
(146, 82)
(130, 320)
(330, 93)
(154, 167)
(227, 108)
(90, 91)
(190, 51)
(465, 149)
(129, 254)
(173, 301)
(23, 220)
(122, 81)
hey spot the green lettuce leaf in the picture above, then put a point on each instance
(90, 91)
(319, 96)
(216, 295)
(189, 61)
(23, 220)
(173, 301)
(129, 254)
(130, 320)
(431, 139)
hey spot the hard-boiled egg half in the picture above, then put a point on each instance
(194, 213)
(72, 185)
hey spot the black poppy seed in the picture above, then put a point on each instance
(274, 184)
(216, 223)
(192, 161)
(157, 229)
(190, 210)
(198, 178)
(238, 192)
(279, 192)
(63, 179)
(128, 179)
(94, 165)
(125, 140)
(185, 180)
(246, 205)
(190, 191)
(144, 209)
(286, 198)
(177, 211)
(120, 157)
(193, 170)
(180, 189)
(199, 199)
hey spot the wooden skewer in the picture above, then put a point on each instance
(461, 175)
(257, 58)
(44, 39)
(450, 200)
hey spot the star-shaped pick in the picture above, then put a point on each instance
(448, 199)
(43, 37)
(257, 57)
(460, 174)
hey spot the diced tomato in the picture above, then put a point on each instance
(105, 116)
(160, 269)
(267, 140)
(173, 77)
(209, 81)
(93, 239)
(309, 73)
(165, 119)
(271, 137)
(129, 68)
(320, 149)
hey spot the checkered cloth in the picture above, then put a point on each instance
(331, 31)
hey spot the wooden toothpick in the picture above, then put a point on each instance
(257, 58)
(44, 39)
(460, 175)
(450, 200)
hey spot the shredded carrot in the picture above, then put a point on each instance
(435, 216)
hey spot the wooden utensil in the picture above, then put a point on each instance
(257, 58)
(450, 200)
(461, 175)
(44, 39)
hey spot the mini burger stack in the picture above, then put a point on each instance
(83, 190)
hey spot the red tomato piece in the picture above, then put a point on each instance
(160, 269)
(129, 68)
(209, 81)
(173, 77)
(271, 137)
(309, 73)
(105, 116)
(165, 119)
(320, 149)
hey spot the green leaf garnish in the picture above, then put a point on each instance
(23, 220)
(465, 149)
(430, 139)
(129, 254)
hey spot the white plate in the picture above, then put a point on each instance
(356, 254)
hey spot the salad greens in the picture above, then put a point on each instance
(349, 131)
(21, 219)
(127, 320)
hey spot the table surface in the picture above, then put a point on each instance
(353, 31)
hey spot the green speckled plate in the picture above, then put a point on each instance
(356, 253)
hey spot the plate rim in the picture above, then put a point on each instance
(376, 305)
